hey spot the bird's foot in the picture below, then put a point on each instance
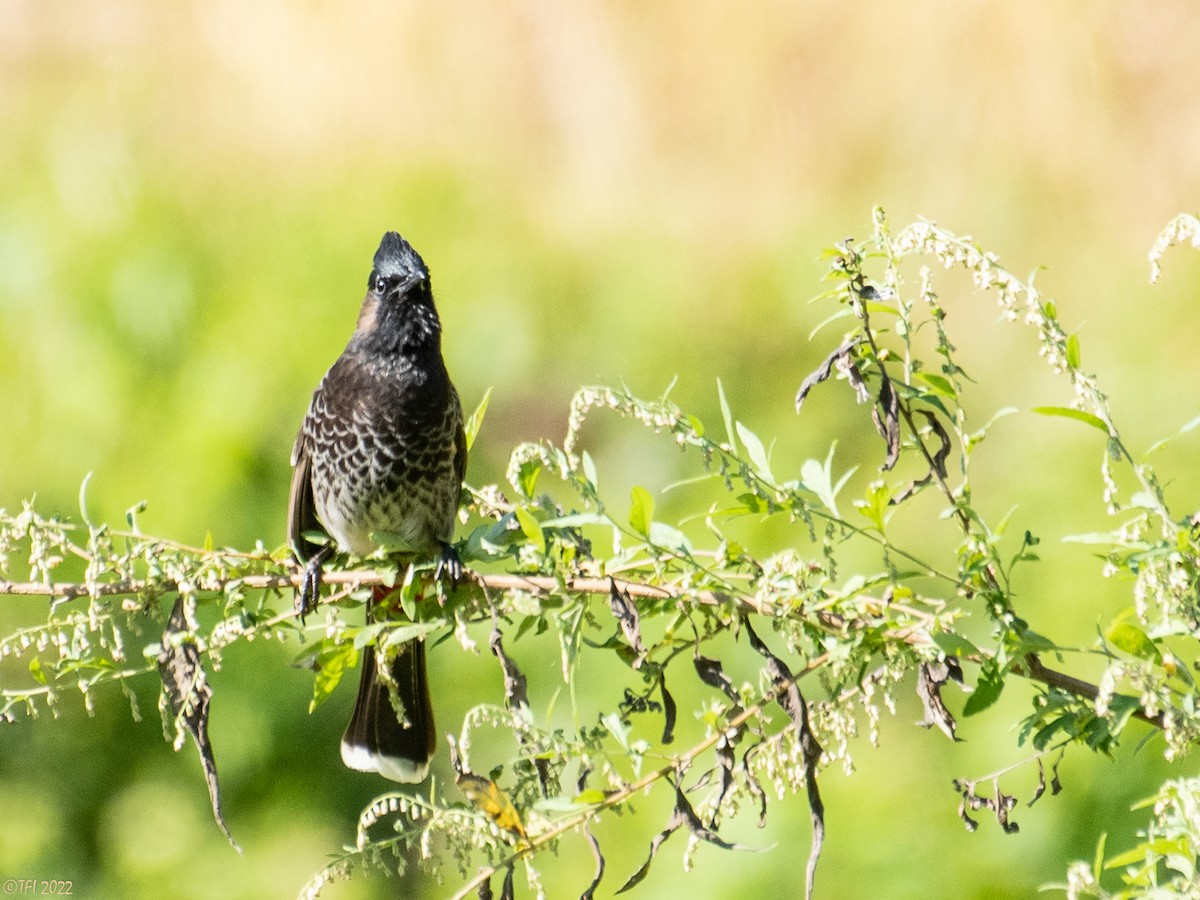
(310, 585)
(449, 565)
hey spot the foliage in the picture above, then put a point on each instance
(864, 602)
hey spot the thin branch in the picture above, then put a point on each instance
(540, 584)
(1032, 668)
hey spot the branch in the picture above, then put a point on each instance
(1033, 668)
(539, 584)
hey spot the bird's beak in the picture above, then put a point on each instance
(403, 287)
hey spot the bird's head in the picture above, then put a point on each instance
(398, 314)
(398, 267)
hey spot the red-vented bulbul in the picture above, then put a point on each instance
(382, 452)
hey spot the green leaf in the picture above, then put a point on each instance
(617, 729)
(35, 669)
(570, 621)
(527, 476)
(1157, 847)
(1154, 448)
(530, 528)
(641, 510)
(664, 535)
(877, 506)
(978, 436)
(410, 592)
(331, 664)
(1073, 351)
(1094, 537)
(574, 520)
(955, 644)
(726, 415)
(818, 478)
(939, 384)
(987, 690)
(754, 449)
(83, 507)
(1032, 642)
(315, 537)
(1132, 640)
(1065, 723)
(840, 314)
(368, 634)
(589, 469)
(1067, 413)
(390, 542)
(1098, 859)
(410, 632)
(1122, 707)
(475, 420)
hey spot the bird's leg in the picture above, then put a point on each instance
(449, 565)
(310, 585)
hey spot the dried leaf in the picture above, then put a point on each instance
(673, 825)
(1003, 804)
(590, 891)
(188, 695)
(970, 823)
(790, 699)
(937, 459)
(683, 814)
(755, 788)
(516, 686)
(713, 675)
(1041, 785)
(943, 451)
(888, 424)
(930, 678)
(698, 828)
(516, 696)
(669, 711)
(841, 354)
(495, 804)
(846, 366)
(626, 613)
(725, 759)
(1000, 803)
(580, 786)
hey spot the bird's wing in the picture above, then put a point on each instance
(302, 514)
(460, 450)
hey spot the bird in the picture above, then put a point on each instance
(380, 459)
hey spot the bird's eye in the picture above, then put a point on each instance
(381, 285)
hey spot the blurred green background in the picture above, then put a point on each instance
(190, 194)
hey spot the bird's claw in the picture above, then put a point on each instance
(309, 592)
(449, 565)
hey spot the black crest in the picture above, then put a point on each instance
(396, 258)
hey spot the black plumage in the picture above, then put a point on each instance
(380, 458)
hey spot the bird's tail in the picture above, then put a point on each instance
(376, 740)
